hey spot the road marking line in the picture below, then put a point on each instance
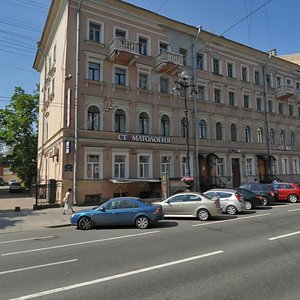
(217, 222)
(283, 236)
(121, 275)
(80, 243)
(28, 239)
(39, 266)
(294, 209)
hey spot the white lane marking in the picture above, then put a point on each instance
(39, 266)
(130, 273)
(283, 236)
(294, 209)
(80, 243)
(28, 239)
(237, 219)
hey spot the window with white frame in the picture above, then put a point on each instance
(249, 167)
(183, 166)
(201, 91)
(220, 167)
(143, 45)
(216, 66)
(164, 86)
(230, 69)
(282, 137)
(244, 73)
(233, 132)
(274, 167)
(166, 164)
(280, 108)
(278, 81)
(260, 135)
(94, 71)
(231, 98)
(219, 131)
(120, 120)
(246, 100)
(95, 32)
(291, 110)
(143, 81)
(247, 134)
(297, 86)
(269, 80)
(292, 138)
(217, 95)
(119, 166)
(165, 125)
(93, 118)
(202, 129)
(144, 165)
(259, 104)
(270, 106)
(120, 76)
(120, 33)
(295, 164)
(93, 165)
(256, 77)
(183, 52)
(272, 136)
(200, 61)
(289, 82)
(285, 166)
(143, 123)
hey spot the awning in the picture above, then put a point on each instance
(266, 156)
(134, 180)
(207, 155)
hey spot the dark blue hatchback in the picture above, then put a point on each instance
(119, 211)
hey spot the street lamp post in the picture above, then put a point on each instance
(183, 85)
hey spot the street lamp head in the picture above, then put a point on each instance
(184, 75)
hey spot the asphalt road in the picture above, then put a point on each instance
(252, 256)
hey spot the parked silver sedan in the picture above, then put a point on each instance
(230, 201)
(191, 204)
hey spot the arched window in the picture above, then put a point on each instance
(260, 137)
(282, 137)
(120, 120)
(272, 139)
(247, 134)
(183, 127)
(202, 130)
(144, 123)
(165, 125)
(93, 118)
(233, 133)
(219, 131)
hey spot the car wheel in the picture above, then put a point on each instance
(85, 223)
(248, 205)
(203, 214)
(142, 222)
(292, 198)
(264, 201)
(231, 210)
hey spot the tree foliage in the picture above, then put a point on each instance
(18, 130)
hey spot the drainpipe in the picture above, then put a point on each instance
(196, 110)
(76, 101)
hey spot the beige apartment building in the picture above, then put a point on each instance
(111, 122)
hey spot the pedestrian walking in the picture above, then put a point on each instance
(68, 199)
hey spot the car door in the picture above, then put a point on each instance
(108, 214)
(174, 205)
(126, 212)
(191, 203)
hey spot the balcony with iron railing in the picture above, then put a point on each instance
(168, 62)
(285, 91)
(123, 50)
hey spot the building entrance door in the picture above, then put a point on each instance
(236, 174)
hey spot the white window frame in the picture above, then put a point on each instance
(115, 28)
(220, 88)
(171, 164)
(233, 69)
(249, 166)
(204, 84)
(93, 151)
(169, 83)
(281, 80)
(125, 153)
(95, 58)
(150, 162)
(259, 77)
(93, 101)
(115, 66)
(219, 65)
(220, 166)
(148, 38)
(295, 166)
(246, 93)
(285, 166)
(247, 73)
(183, 165)
(101, 41)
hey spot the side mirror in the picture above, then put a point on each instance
(102, 209)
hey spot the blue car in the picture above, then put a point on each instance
(119, 211)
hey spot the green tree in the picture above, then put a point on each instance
(18, 130)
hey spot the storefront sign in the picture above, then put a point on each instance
(285, 148)
(68, 168)
(144, 138)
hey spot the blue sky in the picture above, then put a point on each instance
(274, 25)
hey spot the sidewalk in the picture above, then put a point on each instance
(27, 218)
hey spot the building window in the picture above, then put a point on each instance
(285, 166)
(220, 167)
(260, 135)
(183, 52)
(297, 86)
(93, 118)
(231, 98)
(143, 123)
(120, 33)
(144, 166)
(183, 166)
(217, 93)
(256, 77)
(95, 32)
(94, 71)
(166, 164)
(200, 61)
(201, 92)
(282, 137)
(216, 66)
(233, 132)
(249, 167)
(259, 105)
(272, 137)
(278, 81)
(120, 121)
(219, 131)
(165, 125)
(268, 80)
(280, 108)
(270, 106)
(183, 127)
(119, 166)
(291, 110)
(202, 130)
(247, 134)
(295, 164)
(143, 81)
(292, 138)
(244, 73)
(164, 85)
(246, 101)
(93, 166)
(143, 45)
(289, 82)
(120, 76)
(230, 69)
